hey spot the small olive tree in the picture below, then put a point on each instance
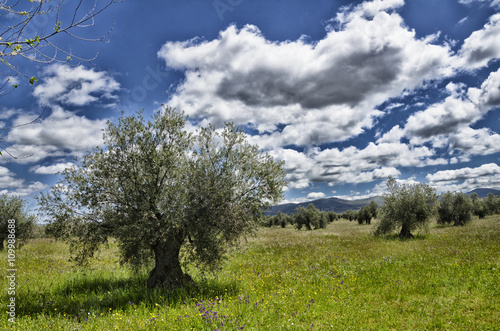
(281, 219)
(373, 208)
(480, 209)
(156, 188)
(332, 216)
(310, 218)
(16, 224)
(366, 213)
(406, 206)
(493, 204)
(455, 208)
(350, 215)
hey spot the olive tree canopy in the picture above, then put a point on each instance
(156, 188)
(455, 208)
(406, 206)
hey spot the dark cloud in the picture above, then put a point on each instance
(260, 87)
(446, 126)
(347, 80)
(479, 56)
(353, 77)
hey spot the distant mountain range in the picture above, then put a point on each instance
(328, 204)
(483, 192)
(341, 205)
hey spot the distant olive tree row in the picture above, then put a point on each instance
(312, 218)
(406, 208)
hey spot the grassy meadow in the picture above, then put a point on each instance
(339, 278)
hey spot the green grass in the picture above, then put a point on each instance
(282, 279)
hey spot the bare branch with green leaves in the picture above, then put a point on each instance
(26, 39)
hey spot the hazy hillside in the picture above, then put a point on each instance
(329, 204)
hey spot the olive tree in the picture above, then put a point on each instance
(366, 213)
(406, 206)
(462, 209)
(158, 189)
(281, 219)
(332, 216)
(16, 224)
(350, 215)
(373, 208)
(492, 203)
(309, 218)
(455, 208)
(480, 209)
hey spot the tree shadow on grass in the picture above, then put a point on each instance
(84, 294)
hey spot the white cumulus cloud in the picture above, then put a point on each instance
(10, 184)
(482, 46)
(78, 86)
(493, 3)
(466, 179)
(302, 93)
(52, 169)
(448, 124)
(464, 173)
(61, 134)
(315, 195)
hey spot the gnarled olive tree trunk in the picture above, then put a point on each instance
(405, 231)
(167, 272)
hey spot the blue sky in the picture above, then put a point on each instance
(347, 93)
